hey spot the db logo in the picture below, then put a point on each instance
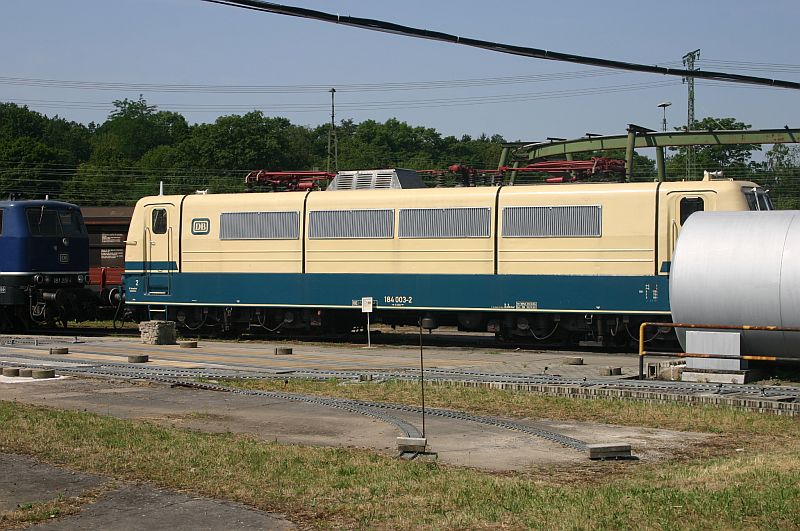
(201, 226)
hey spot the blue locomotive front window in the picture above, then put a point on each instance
(46, 221)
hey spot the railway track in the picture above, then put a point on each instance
(385, 412)
(787, 394)
(384, 336)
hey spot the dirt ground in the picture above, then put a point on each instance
(456, 442)
(106, 504)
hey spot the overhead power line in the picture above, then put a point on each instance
(537, 53)
(364, 105)
(304, 88)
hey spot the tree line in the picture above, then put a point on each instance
(138, 146)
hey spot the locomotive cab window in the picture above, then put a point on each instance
(159, 221)
(757, 198)
(690, 205)
(47, 221)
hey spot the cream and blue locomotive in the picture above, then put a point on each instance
(584, 261)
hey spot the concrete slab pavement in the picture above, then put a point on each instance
(123, 507)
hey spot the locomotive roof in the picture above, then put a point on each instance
(35, 203)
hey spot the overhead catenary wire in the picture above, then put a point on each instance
(305, 88)
(524, 51)
(366, 105)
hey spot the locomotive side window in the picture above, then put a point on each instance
(690, 205)
(159, 221)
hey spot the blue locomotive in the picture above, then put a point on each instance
(44, 264)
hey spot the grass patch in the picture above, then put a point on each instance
(522, 404)
(328, 487)
(33, 513)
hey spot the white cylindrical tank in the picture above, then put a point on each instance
(740, 268)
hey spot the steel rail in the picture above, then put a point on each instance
(439, 375)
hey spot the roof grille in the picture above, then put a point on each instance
(376, 179)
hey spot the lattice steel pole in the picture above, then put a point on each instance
(688, 62)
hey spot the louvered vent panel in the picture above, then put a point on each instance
(364, 181)
(384, 180)
(259, 226)
(345, 181)
(471, 222)
(553, 222)
(351, 224)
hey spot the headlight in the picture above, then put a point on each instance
(80, 279)
(47, 279)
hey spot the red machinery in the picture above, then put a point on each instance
(288, 181)
(584, 168)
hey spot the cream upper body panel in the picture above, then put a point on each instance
(610, 230)
(589, 229)
(143, 248)
(676, 196)
(403, 253)
(235, 240)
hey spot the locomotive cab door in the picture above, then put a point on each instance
(679, 206)
(159, 247)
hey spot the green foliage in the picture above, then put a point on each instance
(780, 173)
(732, 159)
(133, 129)
(36, 150)
(138, 146)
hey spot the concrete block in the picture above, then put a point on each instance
(140, 358)
(11, 372)
(573, 360)
(59, 350)
(25, 373)
(41, 374)
(158, 332)
(608, 451)
(611, 371)
(720, 343)
(187, 344)
(412, 444)
(714, 376)
(283, 351)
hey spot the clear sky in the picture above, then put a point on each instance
(189, 42)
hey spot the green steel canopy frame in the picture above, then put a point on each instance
(641, 137)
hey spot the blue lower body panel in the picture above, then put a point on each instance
(561, 293)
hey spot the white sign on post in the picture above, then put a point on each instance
(366, 304)
(366, 307)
